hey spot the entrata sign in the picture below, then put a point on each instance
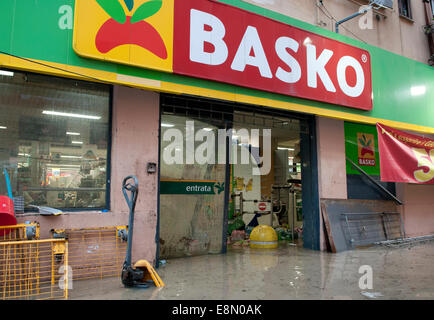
(226, 44)
(191, 187)
(215, 41)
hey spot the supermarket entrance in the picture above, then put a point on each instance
(226, 168)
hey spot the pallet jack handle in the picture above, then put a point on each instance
(133, 188)
(142, 271)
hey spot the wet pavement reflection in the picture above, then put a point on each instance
(288, 272)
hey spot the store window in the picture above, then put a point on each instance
(54, 138)
(405, 9)
(432, 8)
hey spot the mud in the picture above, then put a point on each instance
(288, 272)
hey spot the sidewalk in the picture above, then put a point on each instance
(288, 272)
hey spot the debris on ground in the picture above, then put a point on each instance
(238, 235)
(372, 295)
(241, 244)
(406, 241)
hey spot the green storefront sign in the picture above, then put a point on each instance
(361, 146)
(190, 187)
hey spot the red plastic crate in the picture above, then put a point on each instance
(7, 214)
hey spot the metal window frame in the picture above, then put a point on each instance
(386, 224)
(407, 4)
(109, 140)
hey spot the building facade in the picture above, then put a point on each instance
(93, 93)
(399, 29)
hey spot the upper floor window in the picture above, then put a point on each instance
(405, 8)
(432, 8)
(54, 138)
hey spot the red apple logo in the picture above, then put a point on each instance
(366, 146)
(122, 29)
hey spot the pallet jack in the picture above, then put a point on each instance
(142, 272)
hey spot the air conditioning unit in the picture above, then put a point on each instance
(382, 4)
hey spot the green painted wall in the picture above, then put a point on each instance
(29, 28)
(352, 150)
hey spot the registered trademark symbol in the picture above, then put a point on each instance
(364, 58)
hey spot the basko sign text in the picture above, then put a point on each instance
(230, 45)
(211, 40)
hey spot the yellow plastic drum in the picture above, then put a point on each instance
(263, 237)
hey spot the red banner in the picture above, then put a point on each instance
(405, 157)
(223, 43)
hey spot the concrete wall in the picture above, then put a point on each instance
(389, 31)
(331, 158)
(417, 211)
(134, 144)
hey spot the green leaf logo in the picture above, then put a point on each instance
(114, 9)
(123, 29)
(146, 10)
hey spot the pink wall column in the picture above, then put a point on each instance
(135, 141)
(331, 163)
(134, 144)
(418, 208)
(331, 158)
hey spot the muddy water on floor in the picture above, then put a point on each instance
(289, 272)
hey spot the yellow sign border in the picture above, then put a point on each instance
(168, 87)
